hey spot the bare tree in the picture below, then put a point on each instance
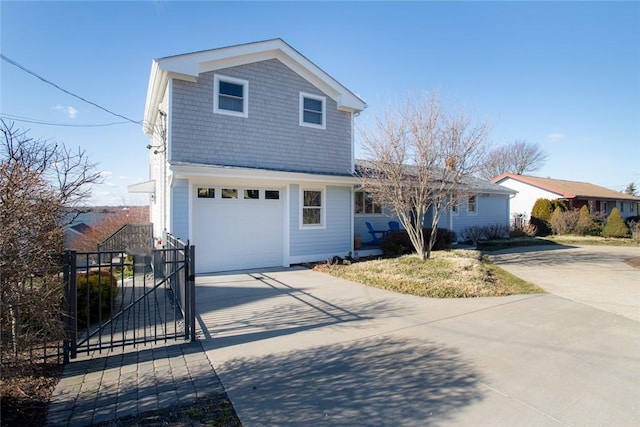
(519, 157)
(39, 182)
(419, 159)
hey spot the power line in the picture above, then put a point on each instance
(47, 123)
(26, 70)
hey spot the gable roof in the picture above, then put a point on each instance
(190, 65)
(567, 189)
(474, 184)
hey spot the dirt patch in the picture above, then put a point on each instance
(25, 391)
(633, 262)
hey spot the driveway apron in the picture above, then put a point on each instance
(298, 347)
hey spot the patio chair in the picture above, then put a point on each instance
(374, 234)
(394, 226)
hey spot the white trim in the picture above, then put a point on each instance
(143, 187)
(217, 78)
(323, 100)
(286, 238)
(323, 208)
(183, 170)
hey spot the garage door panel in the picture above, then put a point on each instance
(232, 234)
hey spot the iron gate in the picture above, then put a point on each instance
(114, 298)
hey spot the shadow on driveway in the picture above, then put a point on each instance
(371, 381)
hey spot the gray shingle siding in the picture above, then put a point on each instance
(271, 136)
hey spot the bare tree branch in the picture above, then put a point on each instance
(519, 157)
(418, 159)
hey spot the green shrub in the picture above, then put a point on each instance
(399, 240)
(542, 209)
(555, 204)
(540, 216)
(585, 223)
(615, 226)
(100, 288)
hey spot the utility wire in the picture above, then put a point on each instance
(26, 70)
(43, 122)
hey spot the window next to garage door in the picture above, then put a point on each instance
(312, 208)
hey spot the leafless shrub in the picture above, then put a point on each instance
(39, 182)
(635, 230)
(564, 222)
(523, 229)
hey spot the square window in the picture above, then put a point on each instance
(230, 96)
(229, 193)
(312, 110)
(312, 207)
(365, 203)
(206, 193)
(252, 194)
(272, 195)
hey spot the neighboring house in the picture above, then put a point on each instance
(575, 194)
(251, 158)
(75, 231)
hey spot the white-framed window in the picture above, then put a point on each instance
(230, 96)
(312, 208)
(312, 110)
(472, 205)
(365, 204)
(206, 193)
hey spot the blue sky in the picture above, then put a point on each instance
(564, 75)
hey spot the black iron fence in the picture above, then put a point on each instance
(114, 299)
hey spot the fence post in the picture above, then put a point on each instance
(70, 305)
(191, 285)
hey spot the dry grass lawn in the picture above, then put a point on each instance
(448, 274)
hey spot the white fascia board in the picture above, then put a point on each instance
(143, 187)
(208, 171)
(192, 64)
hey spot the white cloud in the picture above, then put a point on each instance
(556, 136)
(106, 174)
(71, 112)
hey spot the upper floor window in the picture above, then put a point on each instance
(312, 110)
(230, 96)
(364, 203)
(471, 205)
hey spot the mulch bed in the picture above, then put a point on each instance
(25, 391)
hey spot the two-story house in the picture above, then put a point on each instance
(251, 156)
(252, 161)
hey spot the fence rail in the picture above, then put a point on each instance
(132, 238)
(114, 299)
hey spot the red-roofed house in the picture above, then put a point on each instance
(575, 194)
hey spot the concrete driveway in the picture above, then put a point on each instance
(592, 275)
(296, 347)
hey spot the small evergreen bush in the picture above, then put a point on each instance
(540, 216)
(615, 226)
(542, 209)
(585, 223)
(98, 289)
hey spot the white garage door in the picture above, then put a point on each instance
(237, 228)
